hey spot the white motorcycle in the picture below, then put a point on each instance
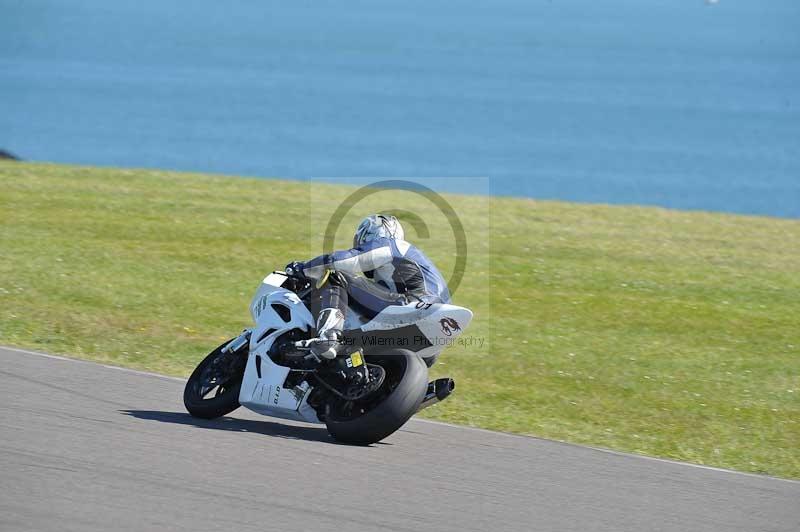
(376, 383)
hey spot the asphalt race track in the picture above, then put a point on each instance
(88, 447)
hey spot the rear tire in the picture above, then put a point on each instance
(408, 375)
(227, 398)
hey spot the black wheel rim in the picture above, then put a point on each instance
(344, 410)
(217, 376)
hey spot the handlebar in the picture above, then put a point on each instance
(299, 282)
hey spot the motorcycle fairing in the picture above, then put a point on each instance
(275, 311)
(439, 323)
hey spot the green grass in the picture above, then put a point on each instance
(673, 334)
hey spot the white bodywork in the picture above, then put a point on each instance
(266, 393)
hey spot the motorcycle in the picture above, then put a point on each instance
(377, 381)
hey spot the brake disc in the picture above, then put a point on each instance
(358, 391)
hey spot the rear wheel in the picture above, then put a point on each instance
(213, 388)
(374, 418)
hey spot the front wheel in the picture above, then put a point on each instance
(213, 388)
(388, 409)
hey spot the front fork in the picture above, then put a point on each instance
(237, 343)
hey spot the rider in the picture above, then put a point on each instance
(381, 269)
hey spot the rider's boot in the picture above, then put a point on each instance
(330, 324)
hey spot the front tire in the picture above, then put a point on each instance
(212, 390)
(403, 391)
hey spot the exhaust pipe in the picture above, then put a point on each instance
(438, 390)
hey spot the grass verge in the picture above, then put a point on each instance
(672, 334)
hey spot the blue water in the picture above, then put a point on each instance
(679, 103)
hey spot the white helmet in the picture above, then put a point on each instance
(377, 226)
